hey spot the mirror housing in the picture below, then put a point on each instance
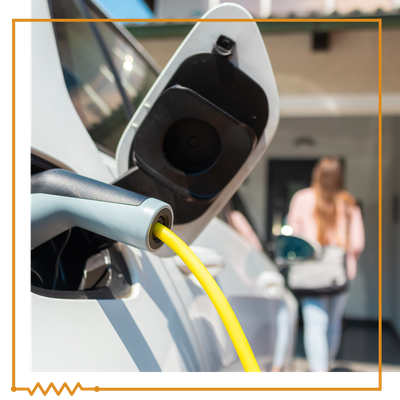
(294, 249)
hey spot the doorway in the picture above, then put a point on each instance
(286, 177)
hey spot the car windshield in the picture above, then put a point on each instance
(105, 75)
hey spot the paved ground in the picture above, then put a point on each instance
(359, 348)
(300, 365)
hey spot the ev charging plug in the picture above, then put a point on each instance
(61, 200)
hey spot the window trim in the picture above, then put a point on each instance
(119, 28)
(120, 31)
(100, 41)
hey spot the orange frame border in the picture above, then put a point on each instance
(14, 388)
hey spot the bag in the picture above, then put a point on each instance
(325, 276)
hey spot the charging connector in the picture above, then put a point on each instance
(61, 200)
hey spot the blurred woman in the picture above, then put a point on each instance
(329, 214)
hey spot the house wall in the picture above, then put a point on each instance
(350, 66)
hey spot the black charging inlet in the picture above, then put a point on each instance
(192, 145)
(224, 46)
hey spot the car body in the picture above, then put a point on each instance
(152, 314)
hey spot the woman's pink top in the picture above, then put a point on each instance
(301, 218)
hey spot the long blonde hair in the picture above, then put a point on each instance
(327, 181)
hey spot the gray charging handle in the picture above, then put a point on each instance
(61, 200)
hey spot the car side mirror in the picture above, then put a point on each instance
(294, 249)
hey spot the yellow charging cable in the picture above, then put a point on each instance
(215, 294)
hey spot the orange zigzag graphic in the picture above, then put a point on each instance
(52, 388)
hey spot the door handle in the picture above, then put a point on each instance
(212, 260)
(271, 284)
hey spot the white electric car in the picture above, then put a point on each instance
(188, 136)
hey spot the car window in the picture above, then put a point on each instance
(98, 78)
(236, 204)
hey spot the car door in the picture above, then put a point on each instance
(129, 318)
